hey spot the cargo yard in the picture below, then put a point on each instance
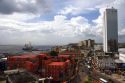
(60, 68)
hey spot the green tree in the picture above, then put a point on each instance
(87, 82)
(53, 53)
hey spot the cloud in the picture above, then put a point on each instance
(25, 6)
(68, 24)
(83, 6)
(58, 31)
(68, 10)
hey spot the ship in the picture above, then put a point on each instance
(29, 47)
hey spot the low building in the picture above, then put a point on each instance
(102, 61)
(120, 62)
(3, 64)
(122, 56)
(98, 47)
(91, 43)
(80, 43)
(105, 62)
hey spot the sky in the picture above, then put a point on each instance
(56, 22)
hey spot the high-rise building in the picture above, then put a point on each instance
(91, 43)
(110, 31)
(87, 43)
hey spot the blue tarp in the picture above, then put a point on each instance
(123, 65)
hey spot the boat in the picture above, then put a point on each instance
(28, 47)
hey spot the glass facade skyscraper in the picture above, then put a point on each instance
(110, 30)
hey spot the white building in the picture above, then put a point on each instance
(98, 47)
(102, 61)
(106, 62)
(110, 30)
(122, 55)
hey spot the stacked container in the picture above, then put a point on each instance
(12, 62)
(59, 68)
(31, 67)
(43, 67)
(56, 70)
(19, 61)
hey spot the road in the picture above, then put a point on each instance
(107, 77)
(84, 71)
(81, 75)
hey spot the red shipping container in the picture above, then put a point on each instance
(18, 61)
(42, 56)
(32, 67)
(29, 66)
(55, 69)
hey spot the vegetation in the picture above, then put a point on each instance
(89, 80)
(121, 45)
(53, 53)
(76, 60)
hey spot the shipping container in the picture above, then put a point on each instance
(43, 65)
(29, 66)
(18, 61)
(56, 70)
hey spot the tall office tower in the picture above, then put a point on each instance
(110, 31)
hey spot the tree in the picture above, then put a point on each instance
(53, 53)
(87, 82)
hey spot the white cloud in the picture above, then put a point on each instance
(69, 10)
(58, 30)
(61, 30)
(83, 6)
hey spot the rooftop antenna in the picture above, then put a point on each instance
(108, 6)
(113, 4)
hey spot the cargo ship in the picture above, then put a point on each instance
(28, 47)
